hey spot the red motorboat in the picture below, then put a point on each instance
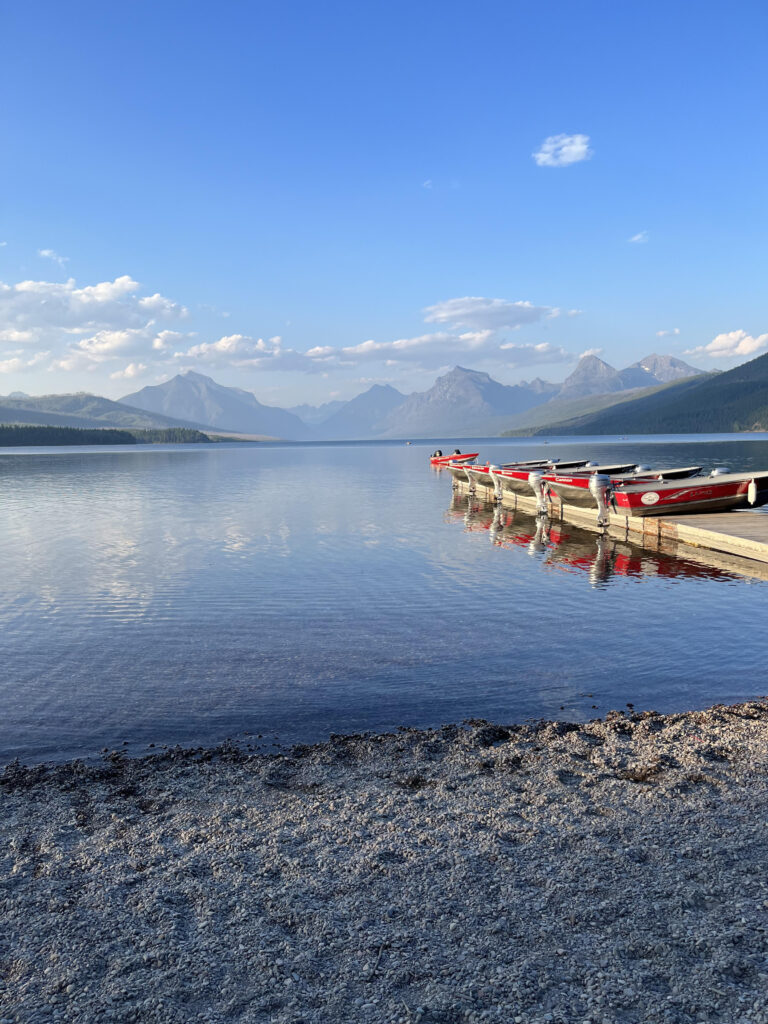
(516, 479)
(578, 488)
(438, 459)
(718, 492)
(483, 475)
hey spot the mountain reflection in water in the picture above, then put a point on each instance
(602, 558)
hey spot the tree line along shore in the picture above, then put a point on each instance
(14, 435)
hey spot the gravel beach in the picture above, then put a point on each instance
(615, 871)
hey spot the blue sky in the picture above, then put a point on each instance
(302, 199)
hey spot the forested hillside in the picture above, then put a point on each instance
(13, 435)
(736, 400)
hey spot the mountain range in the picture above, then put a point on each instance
(735, 400)
(462, 402)
(193, 396)
(81, 410)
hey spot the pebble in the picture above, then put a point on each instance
(605, 872)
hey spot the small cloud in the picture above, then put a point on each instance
(639, 238)
(574, 312)
(13, 334)
(666, 334)
(481, 313)
(427, 183)
(158, 305)
(731, 344)
(17, 365)
(590, 352)
(49, 254)
(2, 244)
(131, 370)
(563, 150)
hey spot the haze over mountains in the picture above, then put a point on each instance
(193, 396)
(81, 410)
(732, 401)
(462, 402)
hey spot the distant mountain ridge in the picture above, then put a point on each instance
(463, 401)
(314, 415)
(81, 410)
(362, 416)
(193, 396)
(735, 400)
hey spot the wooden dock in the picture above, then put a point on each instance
(743, 534)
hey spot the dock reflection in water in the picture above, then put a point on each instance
(602, 559)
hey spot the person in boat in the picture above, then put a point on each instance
(437, 454)
(457, 451)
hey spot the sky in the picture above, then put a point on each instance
(305, 199)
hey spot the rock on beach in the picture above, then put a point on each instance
(612, 872)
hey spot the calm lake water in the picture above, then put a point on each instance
(189, 594)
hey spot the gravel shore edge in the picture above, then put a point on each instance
(613, 872)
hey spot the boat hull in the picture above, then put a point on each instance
(485, 476)
(573, 493)
(443, 460)
(574, 490)
(718, 494)
(514, 481)
(458, 472)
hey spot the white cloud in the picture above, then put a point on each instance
(731, 344)
(562, 150)
(494, 314)
(158, 305)
(427, 184)
(531, 355)
(233, 345)
(245, 352)
(131, 370)
(590, 352)
(17, 364)
(666, 334)
(640, 238)
(165, 340)
(110, 327)
(49, 254)
(84, 326)
(14, 335)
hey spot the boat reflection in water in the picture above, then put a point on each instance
(598, 556)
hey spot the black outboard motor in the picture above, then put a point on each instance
(437, 454)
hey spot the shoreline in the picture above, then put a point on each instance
(610, 871)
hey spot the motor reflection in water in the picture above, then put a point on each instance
(600, 557)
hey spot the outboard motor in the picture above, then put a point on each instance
(720, 471)
(599, 488)
(539, 488)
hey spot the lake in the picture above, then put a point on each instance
(193, 593)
